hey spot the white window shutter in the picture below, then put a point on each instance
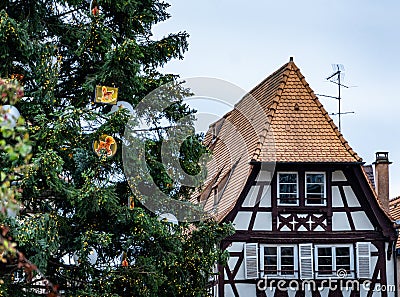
(363, 260)
(306, 261)
(251, 260)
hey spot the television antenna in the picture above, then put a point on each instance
(337, 77)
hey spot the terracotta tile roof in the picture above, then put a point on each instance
(394, 209)
(279, 120)
(299, 125)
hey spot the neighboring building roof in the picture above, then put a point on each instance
(394, 208)
(280, 120)
(370, 174)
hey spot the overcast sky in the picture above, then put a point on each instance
(243, 42)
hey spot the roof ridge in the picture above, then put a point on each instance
(269, 76)
(326, 115)
(272, 107)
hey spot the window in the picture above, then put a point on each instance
(288, 188)
(333, 259)
(315, 188)
(279, 260)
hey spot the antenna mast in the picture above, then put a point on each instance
(336, 78)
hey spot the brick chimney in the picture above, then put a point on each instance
(382, 178)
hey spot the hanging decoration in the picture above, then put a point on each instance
(17, 76)
(94, 8)
(124, 262)
(105, 146)
(107, 95)
(122, 104)
(131, 202)
(9, 116)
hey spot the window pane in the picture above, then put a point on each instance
(287, 270)
(287, 251)
(324, 261)
(324, 269)
(315, 189)
(288, 199)
(324, 251)
(315, 178)
(342, 251)
(288, 188)
(270, 265)
(343, 258)
(342, 261)
(287, 260)
(270, 260)
(288, 178)
(270, 250)
(270, 269)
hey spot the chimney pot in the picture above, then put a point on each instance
(382, 157)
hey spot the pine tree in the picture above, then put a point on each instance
(75, 224)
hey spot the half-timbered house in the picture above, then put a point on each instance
(308, 220)
(394, 208)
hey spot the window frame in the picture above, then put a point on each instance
(278, 193)
(349, 274)
(324, 199)
(279, 261)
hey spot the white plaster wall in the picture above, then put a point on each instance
(361, 221)
(270, 292)
(246, 290)
(235, 247)
(264, 175)
(351, 198)
(340, 222)
(324, 292)
(291, 292)
(373, 248)
(338, 176)
(363, 291)
(251, 198)
(240, 274)
(346, 293)
(232, 262)
(263, 221)
(242, 220)
(266, 197)
(228, 291)
(336, 198)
